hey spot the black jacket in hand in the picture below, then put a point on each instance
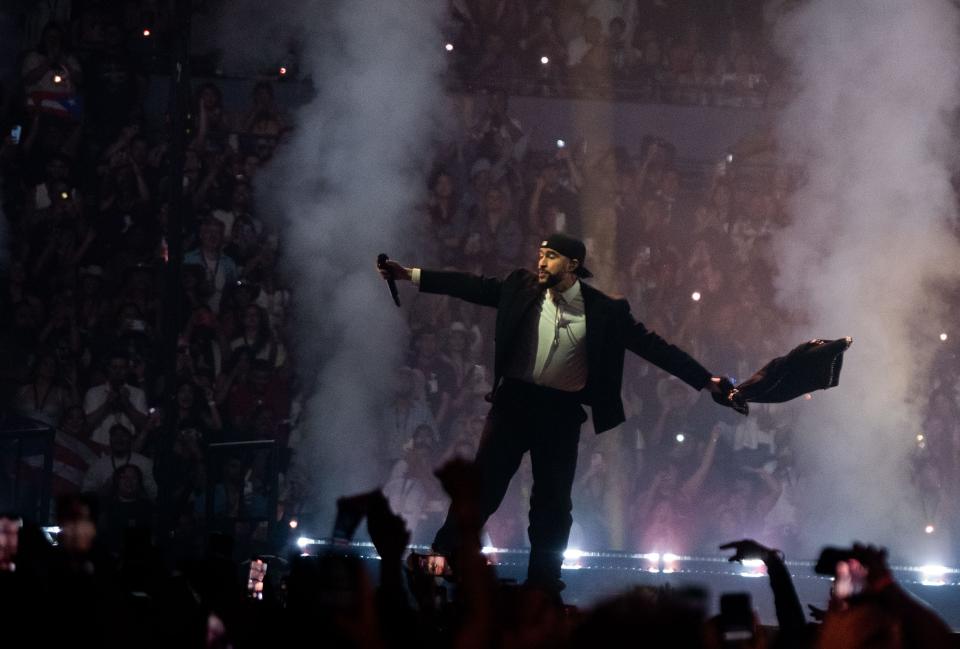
(611, 329)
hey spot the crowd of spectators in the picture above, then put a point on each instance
(335, 599)
(674, 51)
(86, 199)
(87, 190)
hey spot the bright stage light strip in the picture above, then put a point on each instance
(927, 575)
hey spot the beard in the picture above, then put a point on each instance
(550, 280)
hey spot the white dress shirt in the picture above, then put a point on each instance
(560, 338)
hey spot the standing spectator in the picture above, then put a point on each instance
(17, 291)
(440, 381)
(114, 401)
(197, 411)
(594, 66)
(591, 35)
(255, 333)
(460, 359)
(543, 40)
(496, 64)
(45, 398)
(447, 217)
(263, 388)
(479, 183)
(220, 270)
(623, 56)
(263, 116)
(650, 68)
(91, 303)
(554, 206)
(127, 509)
(234, 495)
(407, 412)
(204, 343)
(114, 83)
(99, 477)
(496, 126)
(494, 236)
(211, 129)
(412, 489)
(57, 173)
(238, 209)
(51, 76)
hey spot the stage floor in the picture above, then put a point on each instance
(593, 576)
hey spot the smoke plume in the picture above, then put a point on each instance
(868, 246)
(346, 186)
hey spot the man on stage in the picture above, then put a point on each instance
(559, 344)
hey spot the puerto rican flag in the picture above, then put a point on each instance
(58, 104)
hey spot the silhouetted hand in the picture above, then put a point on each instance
(747, 549)
(387, 530)
(461, 480)
(721, 389)
(874, 559)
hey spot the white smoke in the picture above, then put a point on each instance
(346, 186)
(869, 242)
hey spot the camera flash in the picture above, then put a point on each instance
(57, 78)
(695, 296)
(64, 195)
(448, 47)
(943, 337)
(293, 523)
(544, 60)
(929, 529)
(729, 157)
(920, 437)
(561, 144)
(283, 71)
(681, 438)
(146, 33)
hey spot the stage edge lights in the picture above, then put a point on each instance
(933, 574)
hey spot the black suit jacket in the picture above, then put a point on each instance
(611, 330)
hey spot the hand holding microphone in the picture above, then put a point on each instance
(392, 271)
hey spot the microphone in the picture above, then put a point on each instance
(381, 262)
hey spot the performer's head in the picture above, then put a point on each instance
(560, 261)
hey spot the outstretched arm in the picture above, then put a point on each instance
(789, 611)
(484, 291)
(648, 345)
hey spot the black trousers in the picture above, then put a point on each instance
(545, 422)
